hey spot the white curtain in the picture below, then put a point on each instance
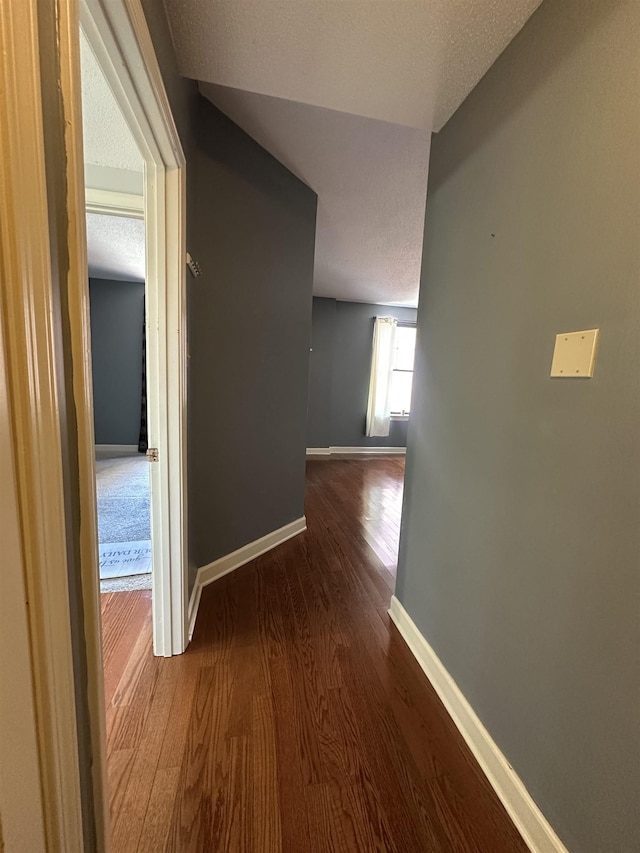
(379, 408)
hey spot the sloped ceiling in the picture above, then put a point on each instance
(403, 61)
(346, 94)
(370, 204)
(108, 142)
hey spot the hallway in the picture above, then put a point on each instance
(298, 720)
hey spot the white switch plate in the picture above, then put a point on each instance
(574, 356)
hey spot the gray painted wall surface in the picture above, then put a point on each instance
(321, 372)
(117, 318)
(342, 339)
(520, 547)
(253, 232)
(251, 226)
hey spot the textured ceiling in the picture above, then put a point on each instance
(370, 177)
(406, 61)
(107, 138)
(115, 246)
(345, 94)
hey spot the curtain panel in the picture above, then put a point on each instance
(379, 407)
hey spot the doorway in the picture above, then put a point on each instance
(47, 399)
(119, 378)
(114, 167)
(125, 198)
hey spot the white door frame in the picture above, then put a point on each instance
(114, 203)
(37, 677)
(41, 795)
(118, 35)
(21, 795)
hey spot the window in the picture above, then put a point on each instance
(402, 375)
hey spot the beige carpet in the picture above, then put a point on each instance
(124, 528)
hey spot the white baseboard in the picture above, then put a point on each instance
(364, 451)
(109, 451)
(370, 451)
(527, 817)
(211, 572)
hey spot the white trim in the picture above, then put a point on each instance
(361, 451)
(21, 802)
(30, 355)
(82, 390)
(114, 203)
(194, 604)
(118, 35)
(213, 571)
(529, 820)
(116, 30)
(370, 451)
(109, 451)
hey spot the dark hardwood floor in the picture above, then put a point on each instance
(297, 720)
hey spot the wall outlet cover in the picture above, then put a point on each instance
(574, 355)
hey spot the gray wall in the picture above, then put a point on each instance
(321, 372)
(251, 226)
(342, 339)
(253, 232)
(520, 548)
(117, 318)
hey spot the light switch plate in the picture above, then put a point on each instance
(574, 356)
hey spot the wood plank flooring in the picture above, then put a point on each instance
(297, 720)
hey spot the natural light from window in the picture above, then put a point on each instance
(402, 376)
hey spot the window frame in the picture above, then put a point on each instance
(404, 324)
